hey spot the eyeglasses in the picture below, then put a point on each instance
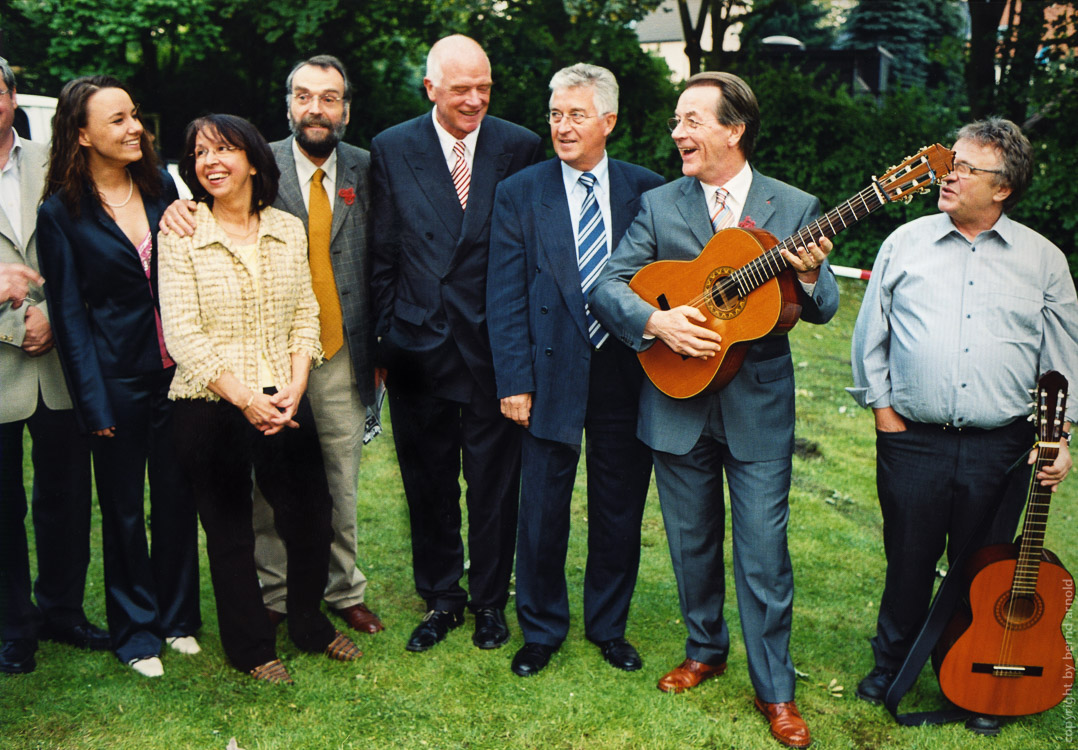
(555, 117)
(4, 92)
(965, 169)
(303, 98)
(225, 148)
(689, 123)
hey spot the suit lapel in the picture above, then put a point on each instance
(346, 179)
(758, 203)
(693, 208)
(488, 167)
(431, 173)
(289, 193)
(557, 241)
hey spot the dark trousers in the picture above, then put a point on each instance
(619, 471)
(434, 437)
(61, 516)
(153, 594)
(934, 489)
(218, 448)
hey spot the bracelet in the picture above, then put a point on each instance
(249, 401)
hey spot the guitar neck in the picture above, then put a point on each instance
(771, 263)
(1029, 555)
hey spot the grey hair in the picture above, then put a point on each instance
(8, 74)
(1014, 149)
(601, 81)
(324, 62)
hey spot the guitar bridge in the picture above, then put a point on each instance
(1006, 670)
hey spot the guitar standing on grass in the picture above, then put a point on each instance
(962, 313)
(744, 430)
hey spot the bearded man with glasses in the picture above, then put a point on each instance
(964, 311)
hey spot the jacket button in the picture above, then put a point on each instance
(544, 310)
(445, 281)
(429, 235)
(549, 352)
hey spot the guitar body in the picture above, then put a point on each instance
(772, 307)
(1024, 637)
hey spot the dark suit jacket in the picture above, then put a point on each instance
(347, 248)
(429, 259)
(535, 307)
(100, 303)
(758, 404)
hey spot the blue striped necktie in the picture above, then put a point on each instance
(591, 253)
(722, 217)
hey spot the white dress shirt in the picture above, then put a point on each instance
(11, 191)
(576, 193)
(305, 172)
(447, 142)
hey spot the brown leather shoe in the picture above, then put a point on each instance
(787, 726)
(358, 617)
(688, 674)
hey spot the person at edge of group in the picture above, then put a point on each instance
(433, 181)
(314, 162)
(241, 319)
(34, 396)
(744, 430)
(560, 374)
(97, 242)
(964, 311)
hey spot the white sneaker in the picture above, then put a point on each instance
(185, 644)
(147, 666)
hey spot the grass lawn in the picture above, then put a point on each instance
(456, 696)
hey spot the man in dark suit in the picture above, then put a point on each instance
(559, 373)
(432, 193)
(34, 396)
(745, 429)
(314, 162)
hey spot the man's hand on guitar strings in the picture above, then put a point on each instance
(807, 260)
(678, 331)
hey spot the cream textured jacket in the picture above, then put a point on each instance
(210, 312)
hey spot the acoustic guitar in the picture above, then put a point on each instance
(745, 288)
(1005, 655)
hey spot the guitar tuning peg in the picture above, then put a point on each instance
(1031, 418)
(1031, 391)
(1031, 404)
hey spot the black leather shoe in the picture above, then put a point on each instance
(17, 656)
(435, 625)
(874, 687)
(84, 635)
(619, 653)
(531, 658)
(490, 628)
(982, 724)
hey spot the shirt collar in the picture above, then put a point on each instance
(737, 186)
(1004, 229)
(16, 149)
(305, 167)
(600, 172)
(209, 232)
(447, 140)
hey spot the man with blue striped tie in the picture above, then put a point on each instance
(560, 374)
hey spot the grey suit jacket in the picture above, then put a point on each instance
(20, 374)
(757, 406)
(348, 248)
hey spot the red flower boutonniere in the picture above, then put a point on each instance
(348, 194)
(747, 223)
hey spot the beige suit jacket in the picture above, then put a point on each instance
(22, 376)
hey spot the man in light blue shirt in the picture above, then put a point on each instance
(963, 312)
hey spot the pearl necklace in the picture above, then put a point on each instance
(130, 192)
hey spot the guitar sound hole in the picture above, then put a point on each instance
(721, 296)
(1018, 612)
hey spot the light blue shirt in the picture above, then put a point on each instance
(953, 331)
(576, 193)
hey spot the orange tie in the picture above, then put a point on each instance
(319, 221)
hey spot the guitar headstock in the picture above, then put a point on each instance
(927, 167)
(1051, 406)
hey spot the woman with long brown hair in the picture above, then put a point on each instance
(97, 241)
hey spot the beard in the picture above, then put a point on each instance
(316, 147)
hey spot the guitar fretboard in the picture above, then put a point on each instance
(1029, 554)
